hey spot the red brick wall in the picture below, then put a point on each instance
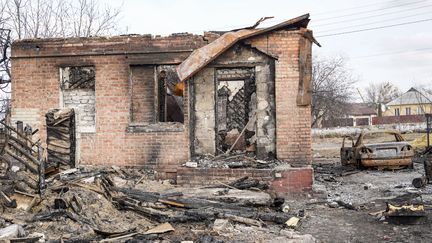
(143, 94)
(211, 176)
(293, 133)
(35, 75)
(293, 180)
(280, 181)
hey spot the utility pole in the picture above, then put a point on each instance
(361, 96)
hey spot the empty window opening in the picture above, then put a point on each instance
(156, 95)
(77, 84)
(170, 95)
(78, 78)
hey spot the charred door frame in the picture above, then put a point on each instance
(246, 77)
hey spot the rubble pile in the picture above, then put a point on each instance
(234, 160)
(93, 204)
(51, 200)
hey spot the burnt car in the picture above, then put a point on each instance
(394, 153)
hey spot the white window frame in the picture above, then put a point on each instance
(407, 111)
(397, 112)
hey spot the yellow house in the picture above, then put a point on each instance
(413, 102)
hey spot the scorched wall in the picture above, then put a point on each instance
(36, 89)
(162, 146)
(292, 80)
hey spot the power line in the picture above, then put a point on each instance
(370, 11)
(391, 53)
(357, 7)
(373, 16)
(332, 23)
(375, 22)
(338, 22)
(376, 28)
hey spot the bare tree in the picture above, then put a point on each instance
(381, 93)
(5, 43)
(60, 18)
(89, 19)
(49, 18)
(425, 88)
(332, 88)
(4, 105)
(14, 10)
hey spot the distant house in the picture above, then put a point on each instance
(361, 113)
(356, 114)
(413, 102)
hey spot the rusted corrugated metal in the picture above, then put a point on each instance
(204, 55)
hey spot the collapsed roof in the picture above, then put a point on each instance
(206, 54)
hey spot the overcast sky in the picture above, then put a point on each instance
(400, 54)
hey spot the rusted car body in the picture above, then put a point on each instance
(392, 155)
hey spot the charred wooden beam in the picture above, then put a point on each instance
(126, 203)
(27, 179)
(21, 143)
(22, 161)
(192, 209)
(16, 132)
(60, 137)
(41, 170)
(28, 155)
(11, 203)
(55, 214)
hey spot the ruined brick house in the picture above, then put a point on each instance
(159, 101)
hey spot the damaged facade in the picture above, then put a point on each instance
(158, 102)
(243, 99)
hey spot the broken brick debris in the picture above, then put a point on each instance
(68, 196)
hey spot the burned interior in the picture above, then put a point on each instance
(236, 104)
(241, 114)
(156, 95)
(78, 78)
(170, 95)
